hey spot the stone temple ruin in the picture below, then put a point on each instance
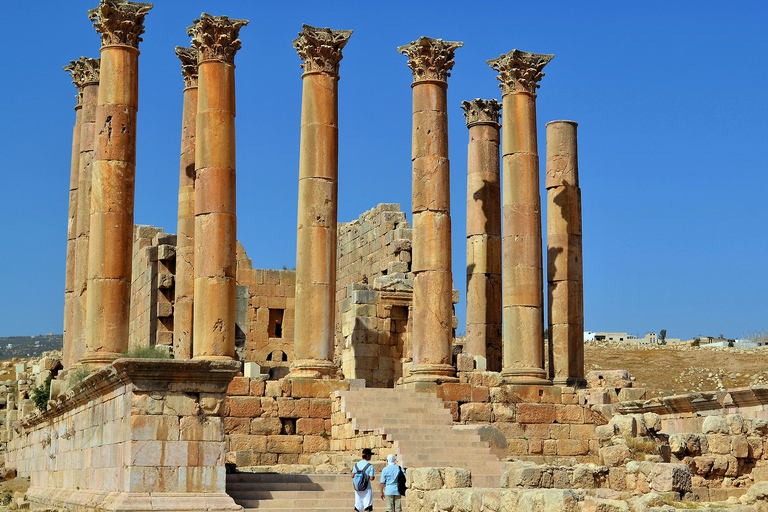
(279, 377)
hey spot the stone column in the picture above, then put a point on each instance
(523, 296)
(483, 232)
(185, 238)
(565, 273)
(431, 61)
(215, 38)
(120, 24)
(74, 183)
(85, 74)
(320, 49)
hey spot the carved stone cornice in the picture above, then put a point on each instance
(320, 48)
(520, 71)
(188, 58)
(119, 22)
(480, 111)
(430, 59)
(216, 37)
(83, 71)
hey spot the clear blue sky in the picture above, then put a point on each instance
(670, 98)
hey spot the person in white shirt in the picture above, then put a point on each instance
(362, 470)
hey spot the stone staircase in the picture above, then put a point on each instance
(273, 492)
(421, 429)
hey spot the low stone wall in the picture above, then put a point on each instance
(137, 435)
(540, 423)
(287, 421)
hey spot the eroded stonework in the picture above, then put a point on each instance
(520, 71)
(480, 111)
(430, 59)
(320, 48)
(120, 22)
(188, 58)
(216, 37)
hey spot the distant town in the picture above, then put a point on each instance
(29, 346)
(758, 339)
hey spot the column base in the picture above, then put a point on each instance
(437, 373)
(95, 360)
(531, 376)
(213, 358)
(571, 382)
(313, 369)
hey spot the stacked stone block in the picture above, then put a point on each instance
(152, 288)
(286, 421)
(137, 427)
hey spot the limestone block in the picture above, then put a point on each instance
(628, 394)
(154, 428)
(239, 426)
(455, 392)
(239, 386)
(265, 426)
(604, 505)
(535, 413)
(284, 444)
(549, 500)
(572, 447)
(251, 370)
(475, 412)
(239, 442)
(455, 478)
(736, 424)
(424, 479)
(293, 408)
(310, 426)
(146, 404)
(615, 455)
(719, 444)
(667, 477)
(465, 362)
(244, 406)
(273, 388)
(585, 476)
(714, 425)
(314, 444)
(258, 386)
(626, 425)
(503, 412)
(569, 413)
(652, 421)
(609, 379)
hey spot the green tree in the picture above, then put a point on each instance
(663, 337)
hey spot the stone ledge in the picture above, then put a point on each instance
(132, 501)
(199, 375)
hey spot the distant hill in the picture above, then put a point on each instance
(29, 346)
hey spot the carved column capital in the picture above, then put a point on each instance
(520, 71)
(216, 37)
(119, 22)
(430, 59)
(320, 48)
(188, 58)
(83, 71)
(480, 111)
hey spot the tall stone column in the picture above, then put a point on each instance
(430, 61)
(320, 49)
(565, 273)
(120, 24)
(523, 296)
(74, 183)
(483, 232)
(183, 306)
(85, 74)
(215, 38)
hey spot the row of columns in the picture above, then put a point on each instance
(104, 145)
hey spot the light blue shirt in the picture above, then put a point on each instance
(389, 479)
(368, 472)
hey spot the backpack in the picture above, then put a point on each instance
(361, 480)
(401, 482)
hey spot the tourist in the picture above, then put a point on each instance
(389, 489)
(362, 476)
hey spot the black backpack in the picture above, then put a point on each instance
(360, 478)
(401, 482)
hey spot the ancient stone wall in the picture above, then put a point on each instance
(152, 290)
(131, 429)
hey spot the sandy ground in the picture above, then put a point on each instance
(667, 370)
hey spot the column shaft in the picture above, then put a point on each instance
(318, 199)
(112, 194)
(87, 143)
(484, 307)
(69, 278)
(215, 39)
(185, 240)
(215, 236)
(430, 60)
(564, 255)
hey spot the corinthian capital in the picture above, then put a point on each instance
(119, 22)
(520, 71)
(480, 111)
(188, 58)
(83, 71)
(320, 48)
(216, 37)
(430, 59)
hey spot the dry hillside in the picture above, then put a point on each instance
(666, 370)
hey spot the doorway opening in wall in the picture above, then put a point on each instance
(275, 328)
(277, 355)
(398, 332)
